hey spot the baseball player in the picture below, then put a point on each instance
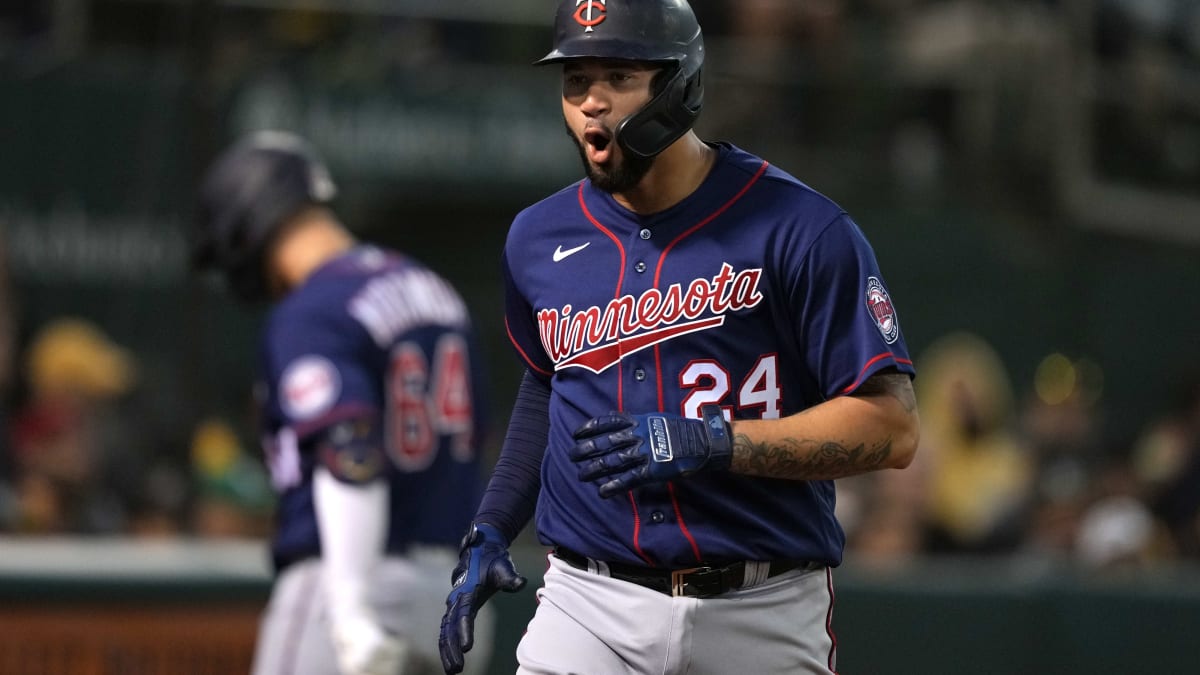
(370, 409)
(708, 344)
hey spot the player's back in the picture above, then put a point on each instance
(374, 335)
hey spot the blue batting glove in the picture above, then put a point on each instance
(625, 451)
(484, 566)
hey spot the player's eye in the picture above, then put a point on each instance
(575, 84)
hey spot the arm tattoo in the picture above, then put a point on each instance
(896, 385)
(808, 459)
(826, 459)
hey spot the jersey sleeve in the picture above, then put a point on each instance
(318, 370)
(849, 324)
(521, 326)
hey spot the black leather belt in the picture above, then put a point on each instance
(693, 582)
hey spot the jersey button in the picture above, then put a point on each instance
(639, 374)
(645, 234)
(640, 267)
(657, 517)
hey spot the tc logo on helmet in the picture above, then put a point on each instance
(590, 13)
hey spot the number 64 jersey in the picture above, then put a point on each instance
(754, 293)
(373, 337)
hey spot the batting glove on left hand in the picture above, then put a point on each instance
(484, 566)
(625, 451)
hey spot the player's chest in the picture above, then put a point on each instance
(684, 269)
(599, 292)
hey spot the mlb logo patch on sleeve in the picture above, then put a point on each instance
(310, 385)
(879, 304)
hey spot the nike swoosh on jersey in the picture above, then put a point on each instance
(559, 253)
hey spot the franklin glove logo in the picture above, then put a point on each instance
(660, 439)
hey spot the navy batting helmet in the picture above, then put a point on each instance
(251, 189)
(656, 31)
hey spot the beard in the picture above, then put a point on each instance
(622, 177)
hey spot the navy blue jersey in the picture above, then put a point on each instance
(755, 293)
(374, 335)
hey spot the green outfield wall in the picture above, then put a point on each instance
(99, 606)
(1004, 617)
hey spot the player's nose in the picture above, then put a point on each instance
(594, 102)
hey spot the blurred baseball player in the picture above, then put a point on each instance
(370, 414)
(709, 343)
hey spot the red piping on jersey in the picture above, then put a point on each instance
(663, 257)
(520, 351)
(637, 530)
(682, 525)
(832, 663)
(657, 354)
(617, 294)
(873, 361)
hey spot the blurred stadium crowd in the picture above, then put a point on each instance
(1000, 472)
(77, 459)
(1005, 468)
(1031, 473)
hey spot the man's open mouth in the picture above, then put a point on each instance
(597, 138)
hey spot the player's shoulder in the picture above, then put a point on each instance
(547, 209)
(774, 184)
(322, 302)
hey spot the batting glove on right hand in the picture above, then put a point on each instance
(484, 566)
(624, 451)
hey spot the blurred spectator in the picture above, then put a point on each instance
(980, 473)
(1116, 530)
(1167, 460)
(70, 443)
(159, 507)
(1059, 423)
(233, 495)
(883, 515)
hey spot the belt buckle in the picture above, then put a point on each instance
(678, 583)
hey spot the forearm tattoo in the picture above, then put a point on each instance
(808, 459)
(825, 459)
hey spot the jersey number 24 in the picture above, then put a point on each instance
(707, 381)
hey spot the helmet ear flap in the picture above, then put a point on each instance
(667, 117)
